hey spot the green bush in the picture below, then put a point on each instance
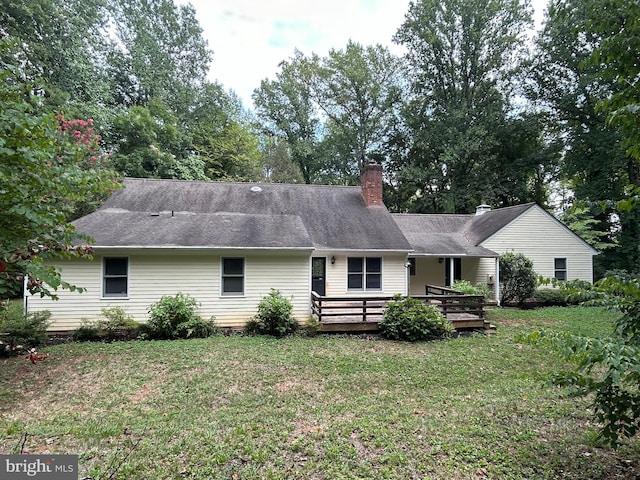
(87, 332)
(466, 287)
(517, 278)
(117, 324)
(274, 316)
(550, 297)
(412, 320)
(176, 317)
(19, 332)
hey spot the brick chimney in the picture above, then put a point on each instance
(372, 185)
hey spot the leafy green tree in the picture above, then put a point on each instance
(44, 174)
(287, 111)
(359, 90)
(277, 164)
(462, 58)
(595, 166)
(162, 53)
(517, 278)
(617, 22)
(62, 52)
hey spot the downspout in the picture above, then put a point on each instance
(497, 281)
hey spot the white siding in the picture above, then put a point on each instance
(152, 276)
(428, 272)
(541, 238)
(394, 275)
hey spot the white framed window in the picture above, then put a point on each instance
(560, 269)
(115, 277)
(232, 277)
(364, 273)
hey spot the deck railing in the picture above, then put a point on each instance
(454, 305)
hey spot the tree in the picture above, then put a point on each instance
(618, 24)
(517, 278)
(359, 90)
(595, 166)
(462, 57)
(44, 173)
(162, 53)
(335, 112)
(287, 111)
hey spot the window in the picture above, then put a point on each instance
(560, 269)
(364, 273)
(412, 267)
(233, 276)
(115, 277)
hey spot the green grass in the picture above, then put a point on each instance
(329, 407)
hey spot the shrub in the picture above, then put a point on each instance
(412, 320)
(312, 327)
(176, 317)
(550, 297)
(274, 316)
(117, 324)
(87, 332)
(517, 278)
(466, 287)
(19, 331)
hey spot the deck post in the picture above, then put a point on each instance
(364, 310)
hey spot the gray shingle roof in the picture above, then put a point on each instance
(448, 234)
(218, 215)
(440, 235)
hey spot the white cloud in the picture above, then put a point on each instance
(250, 38)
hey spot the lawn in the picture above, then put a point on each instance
(331, 407)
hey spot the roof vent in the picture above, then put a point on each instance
(482, 209)
(256, 189)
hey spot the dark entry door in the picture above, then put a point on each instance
(318, 275)
(457, 271)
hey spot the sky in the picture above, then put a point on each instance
(249, 38)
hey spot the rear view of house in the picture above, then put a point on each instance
(228, 244)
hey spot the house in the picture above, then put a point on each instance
(467, 247)
(229, 244)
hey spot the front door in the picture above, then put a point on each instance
(318, 274)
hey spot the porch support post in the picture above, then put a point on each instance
(452, 272)
(496, 280)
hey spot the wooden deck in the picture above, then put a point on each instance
(363, 314)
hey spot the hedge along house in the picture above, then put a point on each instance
(467, 247)
(228, 245)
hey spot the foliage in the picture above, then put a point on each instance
(19, 332)
(46, 171)
(274, 316)
(606, 369)
(334, 112)
(466, 287)
(517, 278)
(595, 169)
(618, 24)
(466, 144)
(312, 326)
(412, 320)
(175, 317)
(550, 296)
(88, 331)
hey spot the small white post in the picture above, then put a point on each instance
(497, 281)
